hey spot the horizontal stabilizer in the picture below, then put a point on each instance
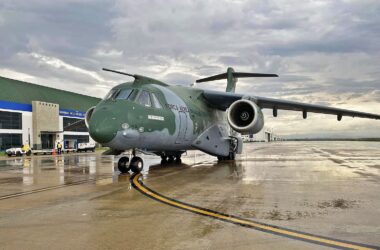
(235, 75)
(232, 78)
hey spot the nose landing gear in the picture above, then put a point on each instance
(122, 164)
(136, 165)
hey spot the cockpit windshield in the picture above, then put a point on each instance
(123, 94)
(144, 98)
(111, 94)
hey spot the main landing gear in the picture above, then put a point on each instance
(136, 165)
(165, 159)
(234, 145)
(230, 157)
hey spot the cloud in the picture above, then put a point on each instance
(326, 52)
(61, 65)
(108, 53)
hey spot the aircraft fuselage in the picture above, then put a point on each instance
(173, 124)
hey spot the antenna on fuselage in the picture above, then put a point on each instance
(119, 72)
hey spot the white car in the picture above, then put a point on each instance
(17, 152)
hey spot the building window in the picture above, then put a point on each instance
(74, 124)
(10, 141)
(10, 120)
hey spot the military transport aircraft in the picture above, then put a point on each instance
(151, 116)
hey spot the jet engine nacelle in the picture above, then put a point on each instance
(245, 116)
(88, 116)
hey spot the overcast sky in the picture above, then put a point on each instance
(326, 52)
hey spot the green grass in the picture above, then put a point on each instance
(3, 153)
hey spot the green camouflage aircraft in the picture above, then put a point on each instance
(151, 116)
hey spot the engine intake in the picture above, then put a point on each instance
(88, 116)
(245, 116)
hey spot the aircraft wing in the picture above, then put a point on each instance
(222, 100)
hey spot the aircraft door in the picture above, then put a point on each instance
(182, 127)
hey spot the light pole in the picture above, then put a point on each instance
(29, 142)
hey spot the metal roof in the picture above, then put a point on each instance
(23, 92)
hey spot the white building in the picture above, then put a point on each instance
(265, 135)
(39, 116)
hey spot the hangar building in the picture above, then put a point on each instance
(38, 115)
(265, 135)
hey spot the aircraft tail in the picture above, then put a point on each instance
(232, 78)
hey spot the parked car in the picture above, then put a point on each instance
(24, 150)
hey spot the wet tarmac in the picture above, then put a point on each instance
(80, 202)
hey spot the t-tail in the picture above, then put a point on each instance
(232, 78)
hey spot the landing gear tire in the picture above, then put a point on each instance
(178, 159)
(164, 160)
(136, 165)
(170, 159)
(122, 164)
(230, 157)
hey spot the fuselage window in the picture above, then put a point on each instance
(144, 99)
(123, 94)
(156, 102)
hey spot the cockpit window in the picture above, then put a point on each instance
(144, 99)
(133, 95)
(124, 94)
(156, 102)
(111, 94)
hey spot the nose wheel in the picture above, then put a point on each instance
(122, 164)
(136, 165)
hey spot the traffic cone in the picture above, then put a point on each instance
(53, 152)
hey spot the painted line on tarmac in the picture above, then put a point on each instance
(272, 229)
(9, 196)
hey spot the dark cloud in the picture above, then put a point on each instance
(325, 52)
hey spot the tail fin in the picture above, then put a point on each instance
(232, 78)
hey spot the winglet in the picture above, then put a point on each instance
(232, 77)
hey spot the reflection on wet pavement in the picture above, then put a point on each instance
(326, 188)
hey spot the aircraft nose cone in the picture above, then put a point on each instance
(102, 126)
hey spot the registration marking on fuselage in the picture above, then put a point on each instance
(156, 117)
(281, 231)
